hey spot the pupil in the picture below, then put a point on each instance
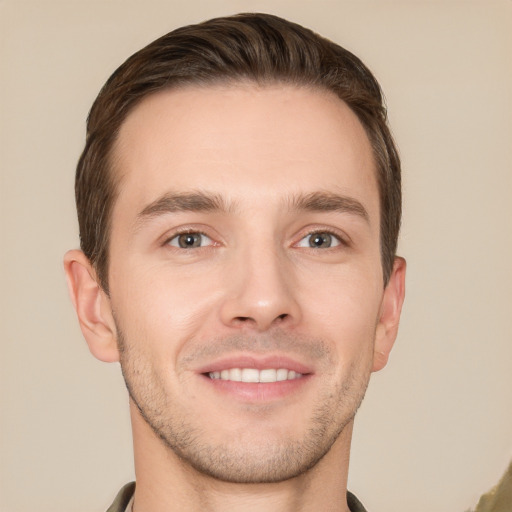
(320, 240)
(189, 240)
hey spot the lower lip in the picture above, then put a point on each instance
(258, 391)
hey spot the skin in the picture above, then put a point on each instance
(254, 175)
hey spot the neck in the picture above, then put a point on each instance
(167, 483)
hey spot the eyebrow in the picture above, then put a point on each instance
(198, 201)
(183, 202)
(329, 202)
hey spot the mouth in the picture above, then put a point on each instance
(253, 375)
(253, 378)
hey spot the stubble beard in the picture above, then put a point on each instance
(240, 460)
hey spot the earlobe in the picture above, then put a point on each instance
(92, 307)
(387, 328)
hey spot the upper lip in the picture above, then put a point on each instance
(260, 362)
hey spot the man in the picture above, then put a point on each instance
(239, 206)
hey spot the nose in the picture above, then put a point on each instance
(261, 292)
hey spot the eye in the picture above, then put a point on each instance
(320, 240)
(190, 240)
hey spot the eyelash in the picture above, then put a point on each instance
(341, 240)
(187, 231)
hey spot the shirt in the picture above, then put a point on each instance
(124, 500)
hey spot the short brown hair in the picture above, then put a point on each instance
(257, 47)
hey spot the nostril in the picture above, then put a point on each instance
(259, 322)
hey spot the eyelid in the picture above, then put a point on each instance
(343, 239)
(203, 235)
(184, 230)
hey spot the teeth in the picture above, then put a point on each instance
(250, 375)
(254, 375)
(234, 374)
(282, 374)
(268, 375)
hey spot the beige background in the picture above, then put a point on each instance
(436, 427)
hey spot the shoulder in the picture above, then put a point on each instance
(122, 498)
(499, 498)
(354, 504)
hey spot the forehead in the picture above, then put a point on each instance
(251, 143)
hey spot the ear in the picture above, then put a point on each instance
(391, 307)
(92, 306)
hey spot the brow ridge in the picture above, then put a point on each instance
(329, 202)
(184, 201)
(199, 201)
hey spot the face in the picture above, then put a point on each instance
(245, 274)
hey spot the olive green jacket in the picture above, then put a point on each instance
(125, 494)
(499, 498)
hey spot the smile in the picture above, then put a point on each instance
(267, 375)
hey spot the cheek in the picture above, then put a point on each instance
(163, 307)
(345, 310)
